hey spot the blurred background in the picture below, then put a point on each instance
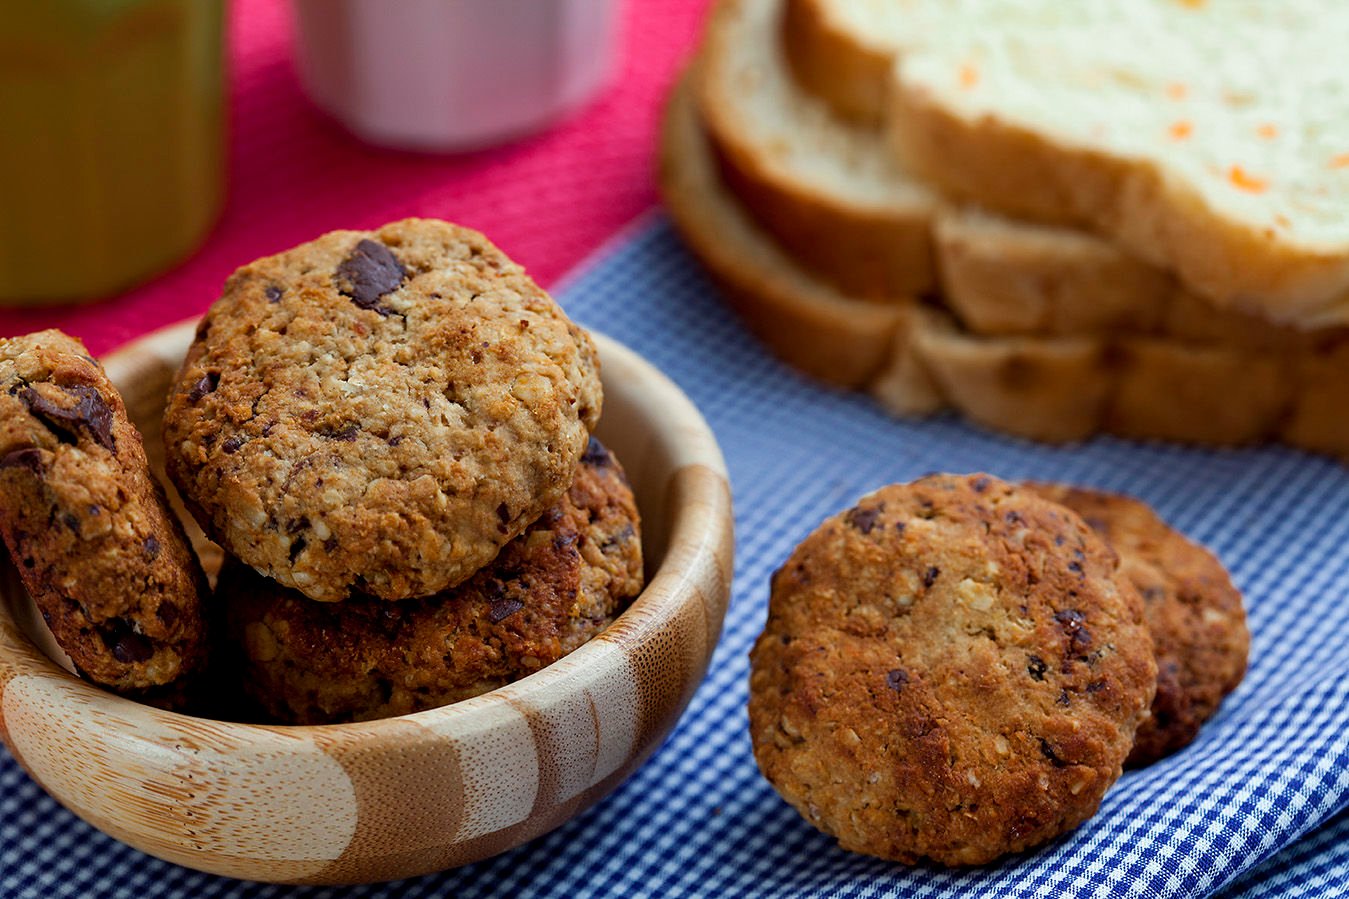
(156, 145)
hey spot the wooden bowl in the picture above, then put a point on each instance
(400, 796)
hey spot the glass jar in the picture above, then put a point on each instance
(112, 162)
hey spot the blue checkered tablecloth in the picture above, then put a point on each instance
(1257, 807)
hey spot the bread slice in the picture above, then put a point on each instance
(916, 359)
(829, 192)
(1218, 152)
(811, 325)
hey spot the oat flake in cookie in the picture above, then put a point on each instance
(551, 589)
(1194, 613)
(380, 411)
(953, 669)
(86, 524)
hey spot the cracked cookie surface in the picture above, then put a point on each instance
(1194, 612)
(86, 524)
(551, 589)
(379, 412)
(952, 670)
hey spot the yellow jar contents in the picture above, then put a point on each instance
(112, 158)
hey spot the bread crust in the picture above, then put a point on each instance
(1020, 172)
(831, 62)
(876, 249)
(808, 324)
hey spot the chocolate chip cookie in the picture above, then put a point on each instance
(1193, 610)
(86, 524)
(952, 670)
(380, 412)
(550, 590)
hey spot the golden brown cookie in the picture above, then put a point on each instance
(1195, 615)
(552, 588)
(953, 670)
(87, 526)
(380, 412)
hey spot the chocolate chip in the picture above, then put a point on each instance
(1076, 568)
(864, 520)
(168, 614)
(30, 457)
(980, 484)
(394, 441)
(330, 544)
(1036, 667)
(1013, 517)
(502, 609)
(71, 521)
(930, 576)
(369, 274)
(1048, 752)
(1073, 626)
(896, 679)
(563, 542)
(127, 646)
(152, 547)
(1096, 686)
(232, 444)
(596, 455)
(297, 546)
(273, 293)
(346, 433)
(90, 414)
(208, 383)
(1064, 700)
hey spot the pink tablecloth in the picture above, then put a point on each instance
(547, 201)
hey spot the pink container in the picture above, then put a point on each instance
(453, 74)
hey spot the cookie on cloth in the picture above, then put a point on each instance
(87, 525)
(952, 670)
(1194, 612)
(380, 412)
(551, 589)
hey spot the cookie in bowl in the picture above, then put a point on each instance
(379, 412)
(94, 542)
(551, 589)
(952, 670)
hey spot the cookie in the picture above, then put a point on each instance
(379, 412)
(551, 589)
(951, 670)
(87, 525)
(1194, 612)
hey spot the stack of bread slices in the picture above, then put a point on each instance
(1012, 210)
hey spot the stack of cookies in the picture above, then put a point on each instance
(959, 668)
(388, 433)
(899, 198)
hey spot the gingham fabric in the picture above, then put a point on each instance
(1255, 808)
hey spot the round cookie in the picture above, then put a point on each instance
(86, 524)
(550, 590)
(379, 412)
(951, 670)
(1191, 607)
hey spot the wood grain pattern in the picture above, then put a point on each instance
(403, 796)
